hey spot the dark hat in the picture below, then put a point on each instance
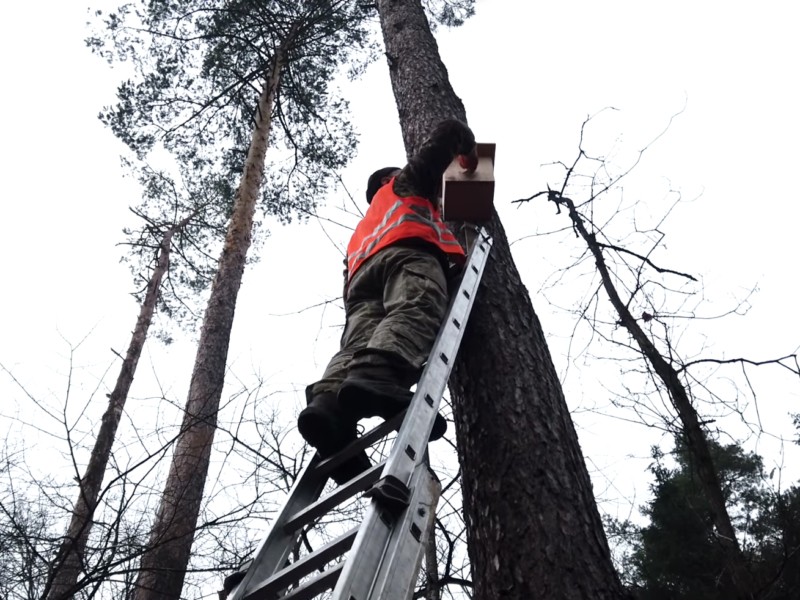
(374, 183)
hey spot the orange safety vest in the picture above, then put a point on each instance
(390, 219)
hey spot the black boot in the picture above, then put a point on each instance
(328, 428)
(376, 392)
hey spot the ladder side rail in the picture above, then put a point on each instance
(360, 575)
(397, 576)
(274, 549)
(412, 440)
(409, 449)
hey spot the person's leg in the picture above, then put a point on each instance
(363, 315)
(415, 301)
(324, 423)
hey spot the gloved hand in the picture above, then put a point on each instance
(469, 162)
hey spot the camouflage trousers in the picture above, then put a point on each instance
(394, 307)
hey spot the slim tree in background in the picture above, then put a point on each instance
(639, 291)
(167, 247)
(533, 528)
(164, 565)
(68, 563)
(737, 579)
(287, 53)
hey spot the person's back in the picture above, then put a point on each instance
(398, 261)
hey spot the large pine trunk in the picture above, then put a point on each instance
(69, 560)
(163, 566)
(533, 528)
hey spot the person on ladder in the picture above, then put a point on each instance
(399, 260)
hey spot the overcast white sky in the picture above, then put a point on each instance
(529, 73)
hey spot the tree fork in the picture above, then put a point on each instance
(533, 528)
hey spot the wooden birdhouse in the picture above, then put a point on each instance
(469, 196)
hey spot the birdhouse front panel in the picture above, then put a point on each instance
(470, 196)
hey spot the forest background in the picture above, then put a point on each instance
(529, 74)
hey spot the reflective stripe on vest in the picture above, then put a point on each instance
(404, 218)
(372, 239)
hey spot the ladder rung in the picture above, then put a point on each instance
(313, 587)
(339, 495)
(385, 551)
(326, 466)
(308, 564)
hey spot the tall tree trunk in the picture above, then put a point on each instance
(738, 581)
(63, 580)
(163, 565)
(533, 529)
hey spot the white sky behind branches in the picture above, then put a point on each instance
(529, 74)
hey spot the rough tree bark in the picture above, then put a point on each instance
(163, 565)
(69, 561)
(533, 528)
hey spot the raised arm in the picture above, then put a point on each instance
(422, 176)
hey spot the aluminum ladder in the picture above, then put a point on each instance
(386, 550)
